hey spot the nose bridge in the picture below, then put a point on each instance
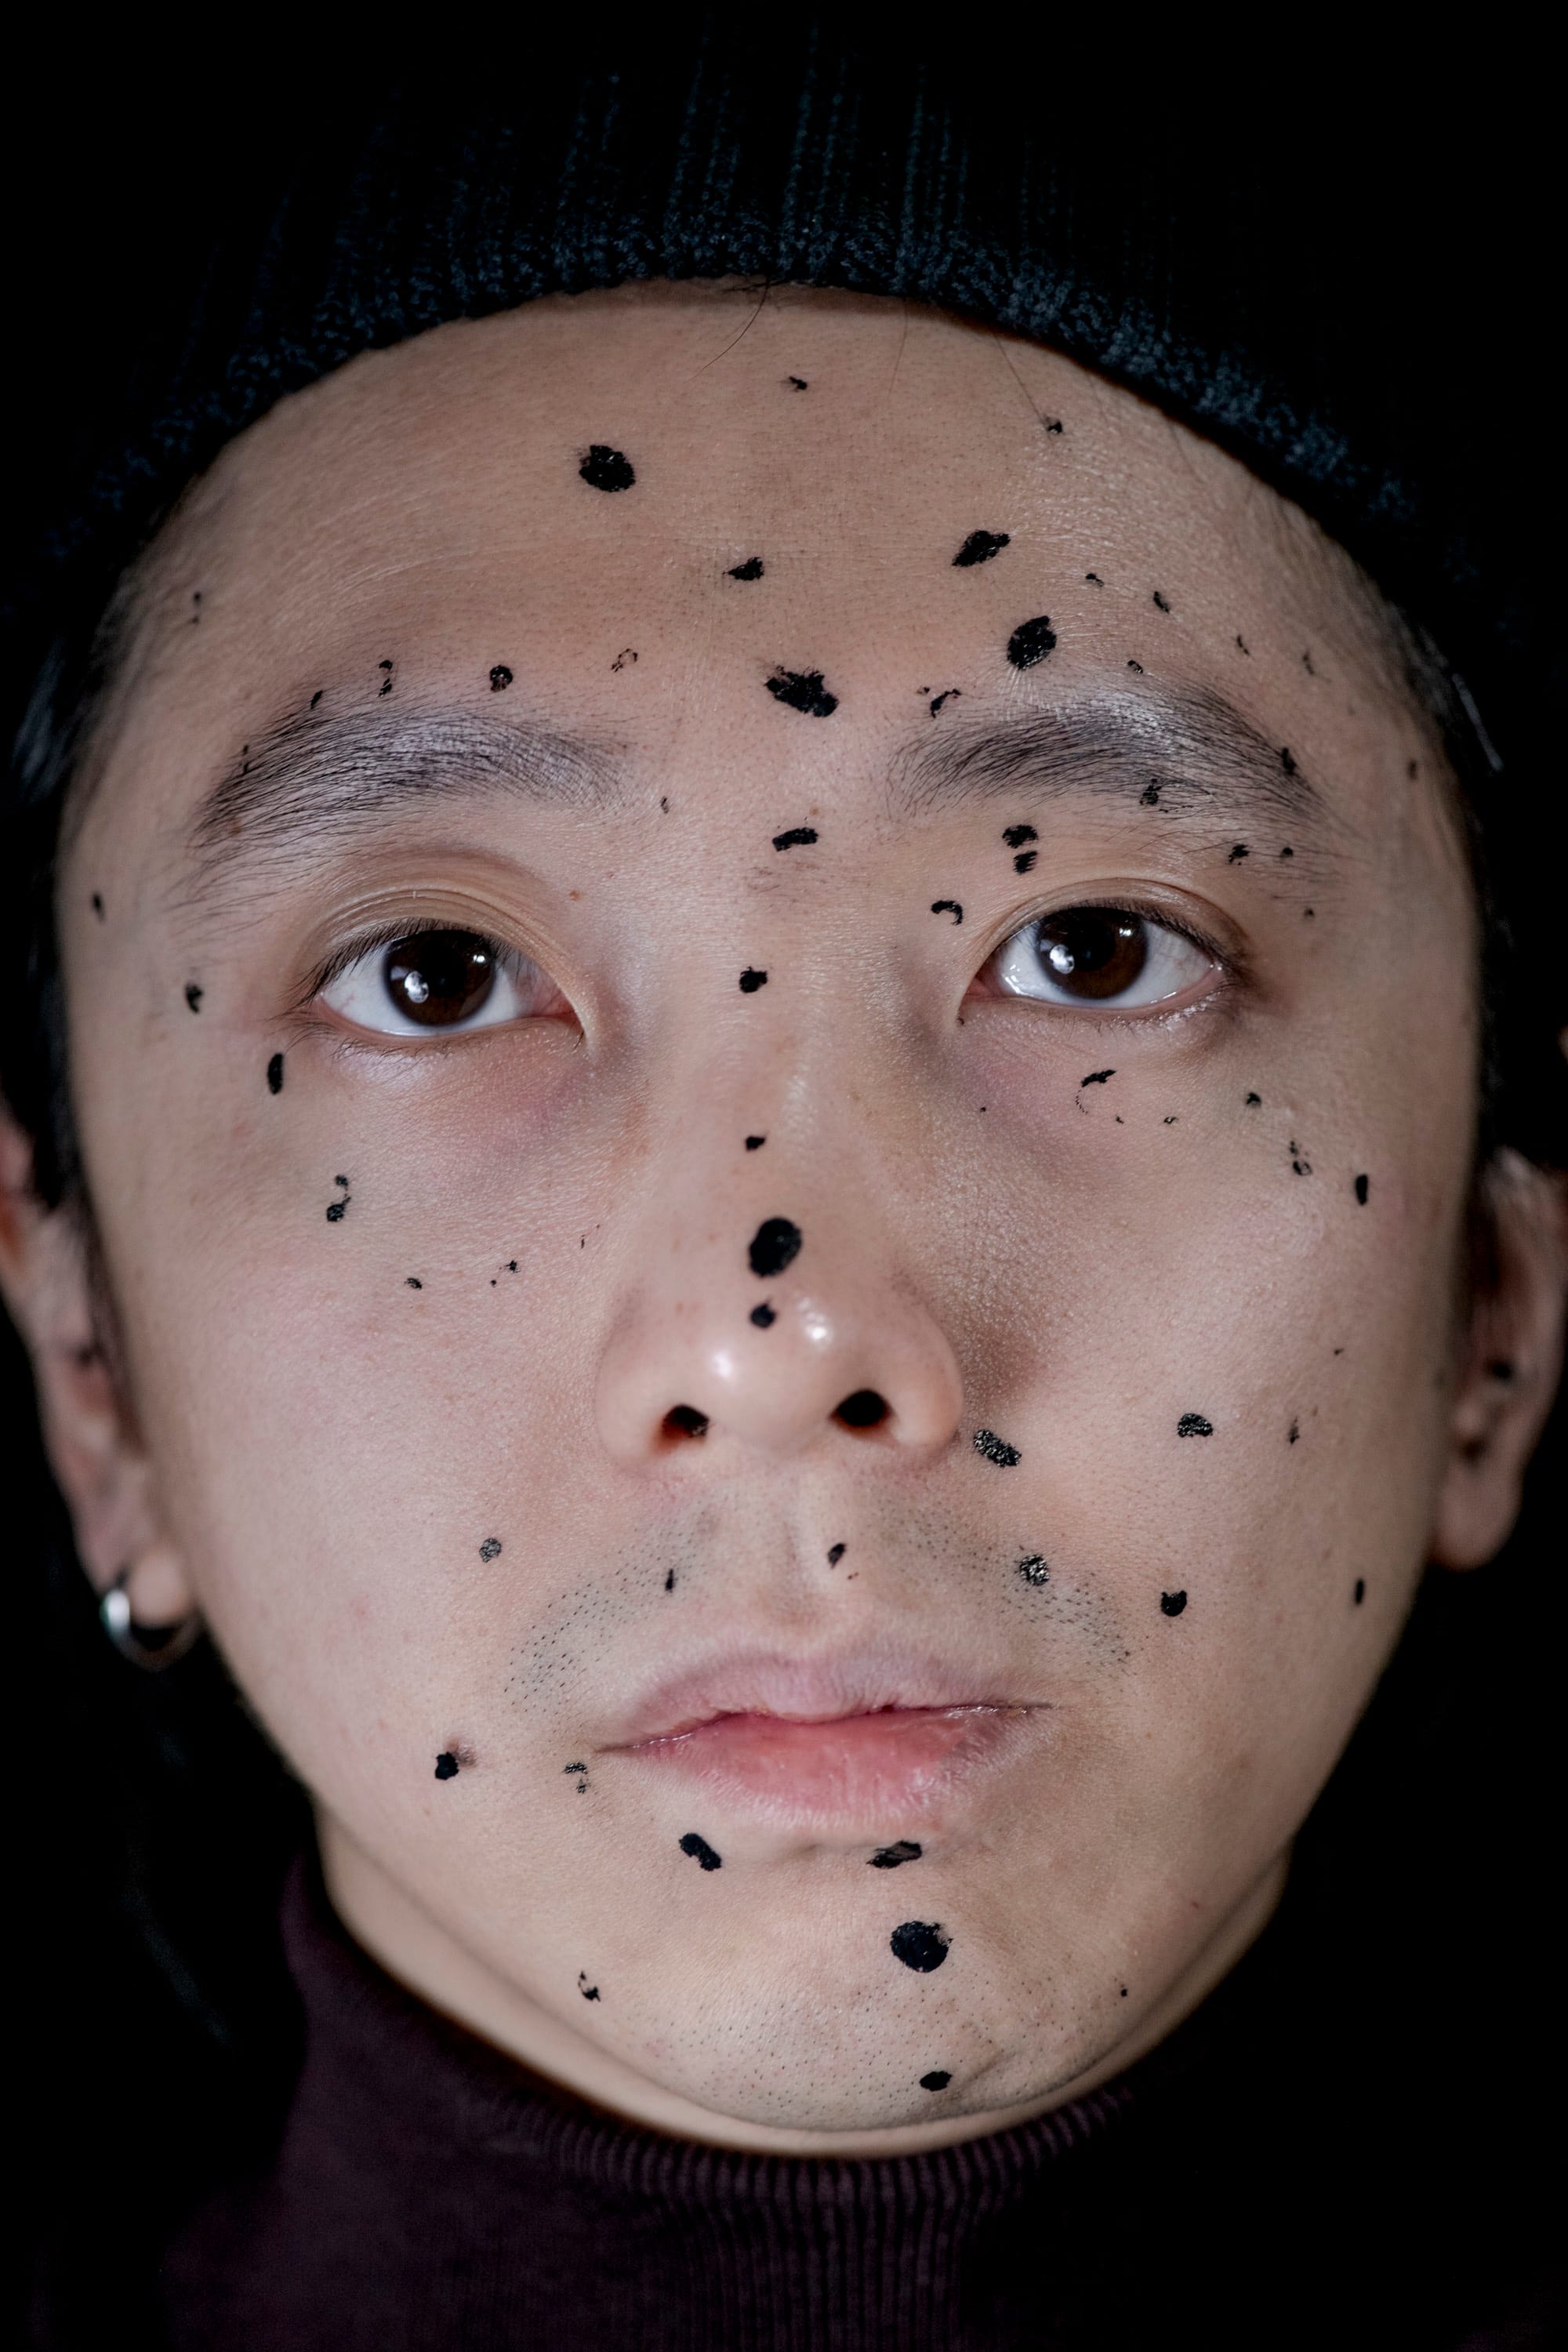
(762, 1308)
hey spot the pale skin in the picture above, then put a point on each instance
(312, 1428)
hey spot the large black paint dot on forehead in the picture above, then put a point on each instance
(1030, 642)
(603, 469)
(920, 1944)
(980, 546)
(776, 1245)
(803, 690)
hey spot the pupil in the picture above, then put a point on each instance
(1096, 952)
(440, 977)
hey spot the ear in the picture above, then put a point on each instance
(89, 1432)
(1512, 1363)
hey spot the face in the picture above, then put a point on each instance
(773, 1037)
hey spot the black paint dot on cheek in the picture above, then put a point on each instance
(835, 1554)
(275, 1074)
(751, 570)
(936, 2080)
(803, 690)
(603, 469)
(700, 1850)
(799, 837)
(588, 1992)
(1015, 836)
(756, 1142)
(1031, 641)
(98, 904)
(1287, 851)
(893, 1857)
(798, 381)
(1094, 580)
(992, 1448)
(193, 995)
(752, 980)
(1172, 1603)
(1193, 1424)
(1096, 1078)
(776, 1244)
(1238, 854)
(446, 1766)
(1294, 1437)
(413, 1282)
(1360, 1594)
(669, 1582)
(947, 907)
(1363, 1187)
(1163, 602)
(980, 546)
(1033, 1570)
(500, 679)
(1026, 861)
(763, 1316)
(491, 1547)
(920, 1944)
(1253, 1101)
(1244, 649)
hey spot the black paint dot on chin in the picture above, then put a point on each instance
(446, 1766)
(274, 1074)
(1031, 641)
(1172, 1603)
(921, 1944)
(700, 1850)
(603, 469)
(776, 1245)
(936, 2080)
(752, 980)
(500, 679)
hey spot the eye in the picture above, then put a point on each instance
(1099, 955)
(427, 981)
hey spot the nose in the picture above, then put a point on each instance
(790, 1331)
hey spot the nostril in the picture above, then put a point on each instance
(685, 1421)
(864, 1409)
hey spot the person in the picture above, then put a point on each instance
(776, 1189)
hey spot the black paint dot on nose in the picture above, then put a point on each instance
(996, 1449)
(1172, 1603)
(603, 469)
(490, 1548)
(763, 1316)
(1033, 1570)
(1363, 1187)
(835, 1554)
(799, 837)
(1015, 836)
(920, 1944)
(274, 1074)
(751, 570)
(194, 996)
(700, 1850)
(752, 980)
(1193, 1424)
(936, 2080)
(756, 1142)
(776, 1245)
(891, 1857)
(685, 1421)
(803, 690)
(980, 546)
(1360, 1594)
(500, 679)
(864, 1409)
(947, 907)
(446, 1766)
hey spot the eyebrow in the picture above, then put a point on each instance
(313, 780)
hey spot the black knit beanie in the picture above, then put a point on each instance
(1333, 301)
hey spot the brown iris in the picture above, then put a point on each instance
(1094, 952)
(439, 978)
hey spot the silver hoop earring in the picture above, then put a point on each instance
(150, 1648)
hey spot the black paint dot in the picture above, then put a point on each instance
(603, 469)
(626, 654)
(385, 667)
(1286, 761)
(1150, 796)
(799, 837)
(776, 1245)
(446, 1766)
(1287, 851)
(1163, 602)
(491, 1547)
(1026, 861)
(1360, 1594)
(891, 1857)
(1244, 649)
(1030, 642)
(835, 1554)
(588, 1992)
(947, 907)
(803, 690)
(752, 980)
(574, 1768)
(980, 546)
(193, 995)
(317, 696)
(756, 1142)
(1095, 1078)
(936, 2080)
(335, 1208)
(1094, 580)
(700, 1850)
(751, 570)
(1363, 1186)
(1193, 1424)
(414, 1282)
(1015, 836)
(669, 1582)
(1136, 666)
(98, 904)
(1238, 854)
(948, 694)
(797, 380)
(763, 1316)
(1253, 1101)
(500, 679)
(996, 1449)
(274, 1074)
(1172, 1603)
(1293, 1436)
(1033, 1570)
(920, 1944)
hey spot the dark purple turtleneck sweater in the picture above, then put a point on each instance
(429, 2195)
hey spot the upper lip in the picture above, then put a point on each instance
(822, 1688)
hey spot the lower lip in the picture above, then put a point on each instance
(882, 1769)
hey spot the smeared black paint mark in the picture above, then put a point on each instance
(752, 980)
(491, 1547)
(1015, 836)
(446, 1766)
(574, 1767)
(947, 907)
(797, 380)
(1150, 796)
(1026, 861)
(1033, 1570)
(700, 1850)
(920, 1944)
(803, 690)
(1238, 854)
(1096, 1078)
(1172, 1603)
(669, 1582)
(413, 1282)
(890, 1857)
(1094, 580)
(193, 995)
(335, 1208)
(948, 694)
(1363, 1187)
(751, 570)
(1170, 1119)
(1298, 1161)
(799, 837)
(1193, 1424)
(996, 1449)
(1286, 761)
(835, 1554)
(1360, 1594)
(664, 803)
(588, 1992)
(1293, 1436)
(1030, 642)
(386, 668)
(936, 2080)
(1253, 1101)
(1136, 666)
(980, 546)
(500, 679)
(1163, 602)
(626, 654)
(763, 1316)
(776, 1245)
(275, 1074)
(98, 904)
(756, 1142)
(603, 469)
